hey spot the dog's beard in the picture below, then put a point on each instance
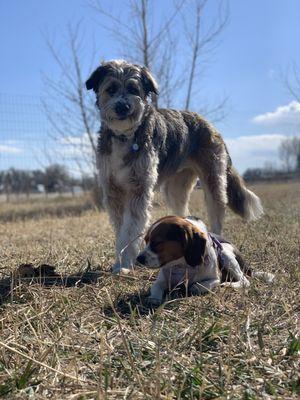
(123, 125)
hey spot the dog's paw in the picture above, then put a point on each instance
(197, 289)
(115, 268)
(118, 270)
(153, 301)
(264, 276)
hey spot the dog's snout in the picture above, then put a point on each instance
(141, 259)
(122, 108)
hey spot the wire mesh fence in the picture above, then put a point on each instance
(33, 159)
(23, 132)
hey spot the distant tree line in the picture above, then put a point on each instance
(289, 154)
(55, 178)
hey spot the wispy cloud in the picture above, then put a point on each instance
(7, 148)
(272, 73)
(78, 145)
(287, 115)
(77, 152)
(254, 151)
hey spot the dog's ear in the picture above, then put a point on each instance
(96, 78)
(194, 247)
(147, 236)
(148, 82)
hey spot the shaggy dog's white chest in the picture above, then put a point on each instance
(116, 168)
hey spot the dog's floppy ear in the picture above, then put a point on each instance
(194, 248)
(148, 82)
(96, 78)
(147, 236)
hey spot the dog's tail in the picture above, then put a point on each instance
(240, 199)
(267, 277)
(264, 276)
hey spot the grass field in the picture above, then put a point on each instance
(100, 341)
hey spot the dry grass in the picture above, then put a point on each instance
(100, 341)
(35, 207)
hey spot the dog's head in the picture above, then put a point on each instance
(171, 238)
(121, 89)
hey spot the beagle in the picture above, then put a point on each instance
(187, 253)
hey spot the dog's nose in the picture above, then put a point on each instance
(141, 259)
(122, 108)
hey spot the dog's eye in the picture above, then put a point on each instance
(112, 89)
(133, 89)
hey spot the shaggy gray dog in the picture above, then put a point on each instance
(141, 148)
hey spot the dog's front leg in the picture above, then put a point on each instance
(157, 290)
(231, 264)
(136, 205)
(114, 200)
(135, 221)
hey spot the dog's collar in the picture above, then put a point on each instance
(124, 139)
(121, 138)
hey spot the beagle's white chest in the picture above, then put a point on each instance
(179, 274)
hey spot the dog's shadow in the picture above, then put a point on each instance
(124, 306)
(137, 304)
(130, 305)
(46, 276)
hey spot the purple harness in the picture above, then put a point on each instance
(216, 244)
(218, 247)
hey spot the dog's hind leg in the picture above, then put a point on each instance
(216, 207)
(213, 176)
(231, 265)
(177, 190)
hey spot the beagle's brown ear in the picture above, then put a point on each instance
(147, 236)
(156, 223)
(195, 247)
(96, 78)
(148, 82)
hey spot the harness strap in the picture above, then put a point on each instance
(216, 244)
(218, 247)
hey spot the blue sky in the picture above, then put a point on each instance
(256, 47)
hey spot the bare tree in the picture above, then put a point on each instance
(292, 81)
(157, 48)
(140, 42)
(201, 42)
(70, 110)
(289, 153)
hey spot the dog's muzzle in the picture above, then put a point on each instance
(122, 109)
(148, 259)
